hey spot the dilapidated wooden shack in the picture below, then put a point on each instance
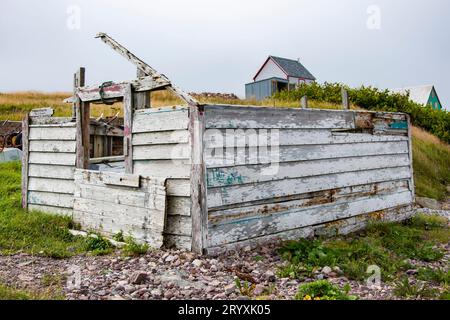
(208, 178)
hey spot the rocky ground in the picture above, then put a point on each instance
(173, 274)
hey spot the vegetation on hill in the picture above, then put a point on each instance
(436, 122)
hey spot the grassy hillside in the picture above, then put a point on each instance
(431, 156)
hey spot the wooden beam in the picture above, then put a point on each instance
(128, 123)
(25, 157)
(116, 91)
(86, 120)
(141, 65)
(142, 100)
(79, 79)
(199, 210)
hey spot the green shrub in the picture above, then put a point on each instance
(97, 245)
(133, 248)
(323, 290)
(436, 122)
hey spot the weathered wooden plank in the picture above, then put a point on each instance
(267, 190)
(114, 179)
(199, 210)
(53, 146)
(41, 112)
(50, 199)
(162, 151)
(219, 177)
(25, 160)
(117, 90)
(412, 186)
(86, 139)
(49, 209)
(50, 122)
(179, 225)
(51, 185)
(129, 197)
(219, 138)
(226, 117)
(52, 133)
(343, 227)
(228, 232)
(128, 124)
(178, 206)
(64, 159)
(176, 169)
(51, 171)
(110, 226)
(178, 187)
(163, 137)
(219, 157)
(164, 119)
(308, 200)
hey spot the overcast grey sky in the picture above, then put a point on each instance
(207, 45)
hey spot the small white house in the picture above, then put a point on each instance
(277, 74)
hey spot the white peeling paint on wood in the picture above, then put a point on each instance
(53, 146)
(65, 159)
(215, 138)
(161, 137)
(308, 200)
(226, 117)
(264, 225)
(56, 132)
(178, 187)
(50, 199)
(160, 120)
(272, 189)
(51, 185)
(140, 212)
(164, 151)
(176, 169)
(220, 158)
(220, 177)
(180, 206)
(51, 171)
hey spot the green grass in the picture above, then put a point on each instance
(34, 232)
(387, 245)
(431, 159)
(9, 293)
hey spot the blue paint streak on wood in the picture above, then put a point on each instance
(399, 125)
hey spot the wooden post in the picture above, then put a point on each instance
(128, 127)
(25, 158)
(78, 81)
(345, 101)
(82, 115)
(199, 210)
(142, 100)
(304, 102)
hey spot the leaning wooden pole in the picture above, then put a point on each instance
(25, 159)
(144, 67)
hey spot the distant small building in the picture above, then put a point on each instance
(424, 95)
(277, 74)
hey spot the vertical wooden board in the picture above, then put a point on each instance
(25, 160)
(142, 99)
(199, 211)
(128, 127)
(412, 186)
(86, 133)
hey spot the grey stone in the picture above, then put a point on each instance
(428, 203)
(138, 277)
(230, 288)
(259, 290)
(197, 263)
(326, 270)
